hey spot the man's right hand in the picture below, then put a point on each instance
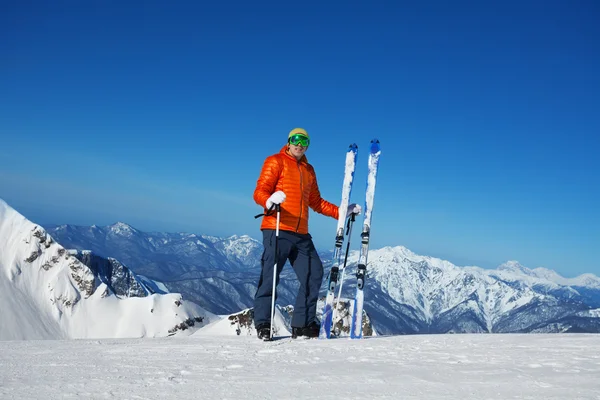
(276, 198)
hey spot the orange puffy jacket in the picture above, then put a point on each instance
(298, 181)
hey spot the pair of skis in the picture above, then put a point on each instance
(328, 318)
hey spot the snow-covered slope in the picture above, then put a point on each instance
(46, 293)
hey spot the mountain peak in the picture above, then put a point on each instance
(120, 224)
(515, 266)
(121, 228)
(241, 238)
(401, 250)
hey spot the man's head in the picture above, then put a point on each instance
(298, 141)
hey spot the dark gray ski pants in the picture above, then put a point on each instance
(305, 261)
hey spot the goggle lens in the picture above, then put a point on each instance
(299, 140)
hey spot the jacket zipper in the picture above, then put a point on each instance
(301, 196)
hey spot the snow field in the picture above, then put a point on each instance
(230, 367)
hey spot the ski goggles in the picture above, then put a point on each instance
(299, 140)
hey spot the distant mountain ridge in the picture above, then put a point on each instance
(433, 295)
(219, 274)
(406, 292)
(163, 256)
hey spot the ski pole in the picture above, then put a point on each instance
(278, 209)
(349, 234)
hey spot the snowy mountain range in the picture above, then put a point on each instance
(46, 292)
(163, 256)
(429, 295)
(56, 293)
(406, 292)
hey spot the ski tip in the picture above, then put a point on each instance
(375, 146)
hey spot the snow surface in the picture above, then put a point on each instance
(214, 367)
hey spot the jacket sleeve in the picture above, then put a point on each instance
(267, 181)
(317, 203)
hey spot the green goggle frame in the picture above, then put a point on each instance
(299, 139)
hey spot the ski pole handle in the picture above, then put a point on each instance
(268, 212)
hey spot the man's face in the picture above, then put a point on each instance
(298, 144)
(297, 150)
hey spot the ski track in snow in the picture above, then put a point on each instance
(218, 367)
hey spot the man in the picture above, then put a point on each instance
(288, 179)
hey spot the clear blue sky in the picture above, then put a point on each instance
(160, 114)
